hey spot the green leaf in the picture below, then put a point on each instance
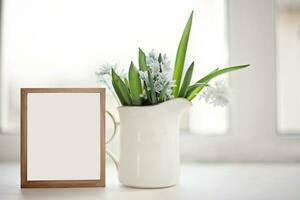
(152, 91)
(186, 81)
(159, 58)
(147, 94)
(120, 89)
(160, 61)
(194, 86)
(127, 84)
(220, 72)
(180, 56)
(194, 89)
(162, 95)
(135, 85)
(118, 92)
(143, 67)
(142, 60)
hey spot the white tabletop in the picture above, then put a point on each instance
(198, 181)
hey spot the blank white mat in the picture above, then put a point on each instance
(63, 136)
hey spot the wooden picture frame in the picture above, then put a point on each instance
(35, 107)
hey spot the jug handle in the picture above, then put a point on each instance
(109, 153)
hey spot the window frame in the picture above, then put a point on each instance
(279, 132)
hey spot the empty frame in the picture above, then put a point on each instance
(62, 137)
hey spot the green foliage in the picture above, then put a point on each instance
(200, 84)
(162, 95)
(180, 57)
(218, 72)
(143, 67)
(192, 87)
(186, 81)
(120, 89)
(153, 99)
(191, 94)
(141, 87)
(142, 60)
(135, 85)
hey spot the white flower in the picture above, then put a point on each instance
(158, 86)
(153, 54)
(104, 76)
(152, 61)
(144, 76)
(169, 94)
(160, 73)
(166, 63)
(161, 80)
(155, 65)
(105, 69)
(217, 95)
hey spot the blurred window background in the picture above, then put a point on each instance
(60, 43)
(288, 66)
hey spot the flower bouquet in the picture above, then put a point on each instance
(154, 81)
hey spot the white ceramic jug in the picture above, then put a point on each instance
(149, 151)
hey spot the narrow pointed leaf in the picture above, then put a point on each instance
(162, 94)
(152, 91)
(121, 89)
(194, 86)
(159, 58)
(220, 72)
(127, 84)
(135, 85)
(186, 81)
(118, 92)
(196, 91)
(142, 60)
(148, 94)
(180, 56)
(160, 61)
(143, 67)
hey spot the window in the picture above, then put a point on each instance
(54, 43)
(209, 51)
(288, 67)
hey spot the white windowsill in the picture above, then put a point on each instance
(198, 181)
